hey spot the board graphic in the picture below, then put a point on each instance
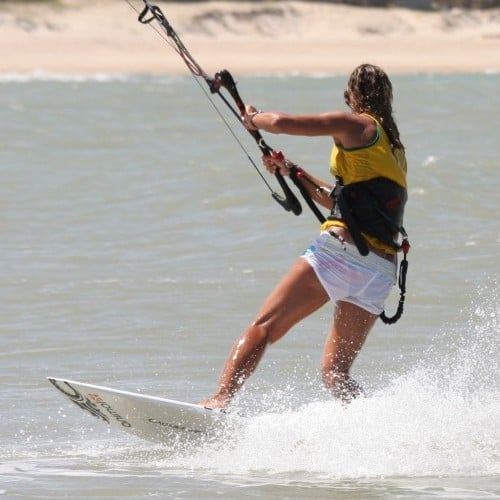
(148, 417)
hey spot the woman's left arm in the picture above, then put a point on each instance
(347, 128)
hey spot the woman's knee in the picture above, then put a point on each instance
(266, 330)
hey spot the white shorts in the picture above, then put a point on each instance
(346, 275)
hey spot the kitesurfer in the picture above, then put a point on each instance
(353, 260)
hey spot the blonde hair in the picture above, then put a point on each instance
(369, 90)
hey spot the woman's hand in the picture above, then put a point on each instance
(276, 162)
(247, 118)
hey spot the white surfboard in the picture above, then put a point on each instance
(152, 418)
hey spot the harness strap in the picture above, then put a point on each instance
(403, 269)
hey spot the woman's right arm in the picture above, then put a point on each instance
(318, 190)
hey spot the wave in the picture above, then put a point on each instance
(439, 419)
(438, 423)
(42, 76)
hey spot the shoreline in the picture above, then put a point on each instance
(275, 38)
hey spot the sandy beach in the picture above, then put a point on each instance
(92, 36)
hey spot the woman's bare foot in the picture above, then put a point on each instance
(215, 403)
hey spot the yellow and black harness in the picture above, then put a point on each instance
(374, 208)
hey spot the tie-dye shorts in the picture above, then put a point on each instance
(346, 275)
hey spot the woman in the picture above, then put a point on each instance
(353, 260)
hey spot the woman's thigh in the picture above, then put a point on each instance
(296, 296)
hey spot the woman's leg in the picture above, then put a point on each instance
(296, 296)
(351, 325)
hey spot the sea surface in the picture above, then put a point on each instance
(138, 241)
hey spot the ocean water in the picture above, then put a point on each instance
(138, 242)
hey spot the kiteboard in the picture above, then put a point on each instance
(148, 417)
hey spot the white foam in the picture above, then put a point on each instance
(42, 76)
(441, 418)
